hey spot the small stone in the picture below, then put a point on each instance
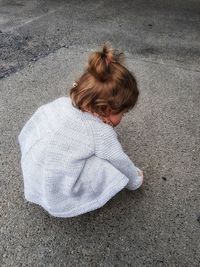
(164, 178)
(198, 219)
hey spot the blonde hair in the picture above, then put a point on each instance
(105, 83)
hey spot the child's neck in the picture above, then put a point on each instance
(104, 119)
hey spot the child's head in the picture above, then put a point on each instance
(106, 87)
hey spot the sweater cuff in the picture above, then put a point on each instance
(135, 182)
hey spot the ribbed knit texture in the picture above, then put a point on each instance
(72, 162)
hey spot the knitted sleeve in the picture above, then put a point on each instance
(108, 147)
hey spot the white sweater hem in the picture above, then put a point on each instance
(112, 190)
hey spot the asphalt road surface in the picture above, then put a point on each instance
(43, 47)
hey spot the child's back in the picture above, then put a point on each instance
(72, 161)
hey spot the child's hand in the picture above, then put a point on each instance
(140, 172)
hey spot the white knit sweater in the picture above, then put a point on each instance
(72, 162)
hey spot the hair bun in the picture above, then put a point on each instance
(100, 62)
